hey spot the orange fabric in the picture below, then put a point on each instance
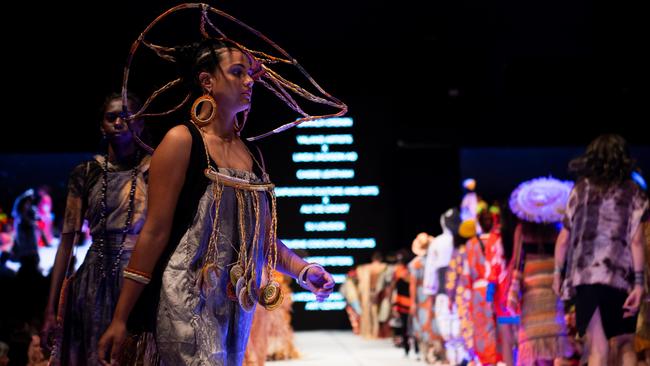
(485, 262)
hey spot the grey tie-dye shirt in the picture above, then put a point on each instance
(602, 224)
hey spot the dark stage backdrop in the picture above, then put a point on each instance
(429, 69)
(427, 83)
(498, 171)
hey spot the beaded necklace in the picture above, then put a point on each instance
(129, 216)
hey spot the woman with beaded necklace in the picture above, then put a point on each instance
(110, 191)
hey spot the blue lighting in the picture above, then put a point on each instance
(337, 191)
(338, 278)
(325, 174)
(336, 122)
(337, 243)
(322, 226)
(308, 296)
(334, 209)
(638, 178)
(325, 306)
(345, 139)
(332, 261)
(330, 157)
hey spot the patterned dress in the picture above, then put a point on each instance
(92, 297)
(461, 340)
(424, 322)
(543, 334)
(484, 259)
(195, 324)
(192, 330)
(602, 224)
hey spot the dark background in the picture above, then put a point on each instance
(424, 82)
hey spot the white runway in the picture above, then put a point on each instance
(342, 348)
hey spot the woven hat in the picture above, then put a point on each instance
(541, 200)
(420, 244)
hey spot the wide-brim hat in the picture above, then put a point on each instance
(420, 244)
(541, 200)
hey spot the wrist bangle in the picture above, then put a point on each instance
(638, 277)
(137, 276)
(302, 277)
(557, 269)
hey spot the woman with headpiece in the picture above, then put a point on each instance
(370, 285)
(438, 259)
(423, 321)
(25, 225)
(109, 191)
(211, 230)
(543, 336)
(459, 291)
(469, 203)
(400, 289)
(350, 291)
(601, 245)
(484, 265)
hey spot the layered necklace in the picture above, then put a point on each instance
(242, 287)
(114, 267)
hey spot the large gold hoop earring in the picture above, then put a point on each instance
(195, 118)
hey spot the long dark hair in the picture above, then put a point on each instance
(606, 162)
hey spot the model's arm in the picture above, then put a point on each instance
(166, 177)
(291, 264)
(633, 301)
(72, 222)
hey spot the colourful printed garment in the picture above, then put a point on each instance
(424, 326)
(484, 264)
(602, 223)
(460, 295)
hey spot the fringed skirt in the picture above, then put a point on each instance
(543, 333)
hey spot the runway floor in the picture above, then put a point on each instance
(342, 348)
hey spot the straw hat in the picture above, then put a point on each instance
(421, 243)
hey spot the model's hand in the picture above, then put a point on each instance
(35, 352)
(557, 282)
(322, 283)
(633, 301)
(110, 344)
(49, 325)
